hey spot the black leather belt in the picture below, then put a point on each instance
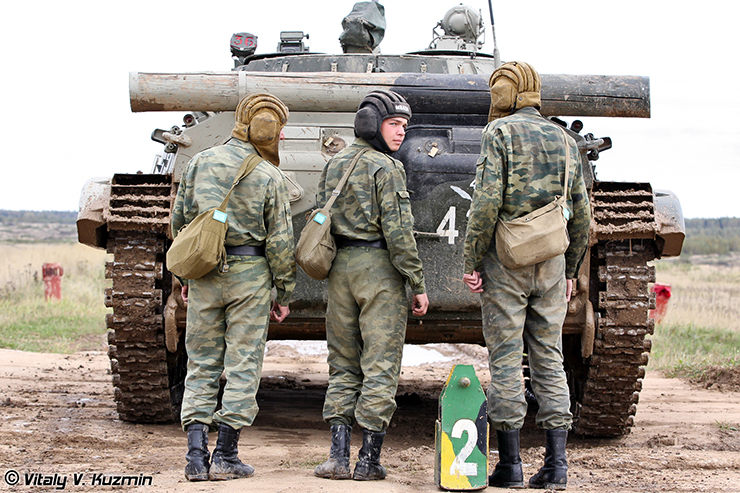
(255, 251)
(343, 242)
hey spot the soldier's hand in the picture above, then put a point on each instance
(421, 304)
(279, 312)
(474, 281)
(568, 289)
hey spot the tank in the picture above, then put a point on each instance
(604, 336)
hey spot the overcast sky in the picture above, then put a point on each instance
(66, 114)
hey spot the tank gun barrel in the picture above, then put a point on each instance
(562, 95)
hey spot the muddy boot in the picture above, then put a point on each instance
(554, 474)
(337, 467)
(508, 472)
(226, 463)
(368, 468)
(197, 456)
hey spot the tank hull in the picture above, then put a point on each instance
(604, 331)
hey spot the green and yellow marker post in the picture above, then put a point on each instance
(461, 459)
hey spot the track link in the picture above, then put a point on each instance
(623, 211)
(616, 368)
(140, 203)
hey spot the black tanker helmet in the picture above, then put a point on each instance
(376, 107)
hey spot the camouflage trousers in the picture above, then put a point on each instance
(525, 305)
(228, 315)
(365, 332)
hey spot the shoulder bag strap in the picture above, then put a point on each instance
(567, 165)
(344, 179)
(249, 163)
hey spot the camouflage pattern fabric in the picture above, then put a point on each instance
(228, 314)
(258, 211)
(521, 169)
(365, 331)
(374, 204)
(367, 307)
(525, 305)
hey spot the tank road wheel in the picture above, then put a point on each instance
(148, 379)
(606, 388)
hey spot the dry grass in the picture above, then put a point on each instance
(704, 292)
(702, 324)
(28, 321)
(20, 263)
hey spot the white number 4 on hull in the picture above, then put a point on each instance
(449, 220)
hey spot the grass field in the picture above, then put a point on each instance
(702, 324)
(28, 322)
(701, 327)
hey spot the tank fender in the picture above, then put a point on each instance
(92, 229)
(671, 227)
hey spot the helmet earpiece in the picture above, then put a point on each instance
(366, 123)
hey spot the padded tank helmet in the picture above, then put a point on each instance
(259, 119)
(374, 108)
(514, 85)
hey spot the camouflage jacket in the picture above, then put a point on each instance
(258, 210)
(374, 204)
(520, 169)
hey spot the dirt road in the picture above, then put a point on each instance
(59, 426)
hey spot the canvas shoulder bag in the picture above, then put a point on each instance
(198, 247)
(316, 249)
(538, 236)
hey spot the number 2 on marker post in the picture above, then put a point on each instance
(461, 435)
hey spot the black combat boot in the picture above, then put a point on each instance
(197, 456)
(554, 474)
(368, 468)
(508, 472)
(226, 463)
(337, 467)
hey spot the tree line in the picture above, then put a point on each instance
(9, 218)
(712, 236)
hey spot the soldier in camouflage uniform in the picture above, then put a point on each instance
(520, 169)
(367, 308)
(229, 308)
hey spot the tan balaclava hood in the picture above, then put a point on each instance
(514, 85)
(259, 119)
